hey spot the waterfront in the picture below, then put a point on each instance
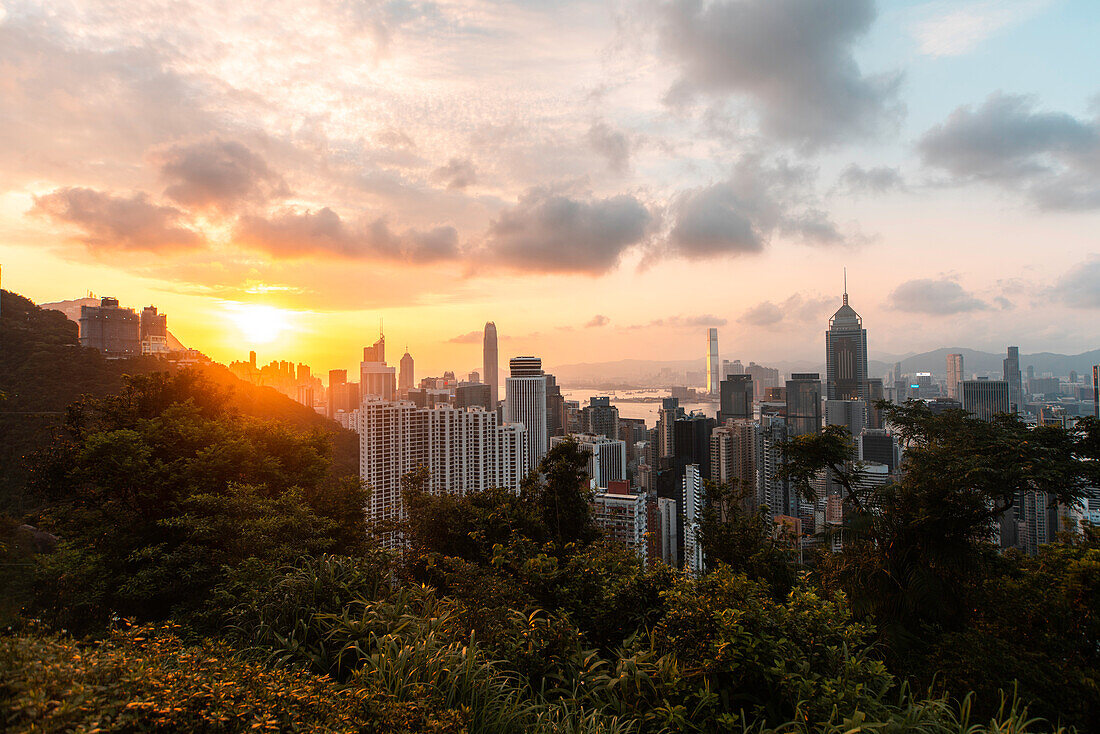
(629, 402)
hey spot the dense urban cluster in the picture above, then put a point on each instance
(190, 549)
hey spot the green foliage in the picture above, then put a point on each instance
(776, 661)
(157, 490)
(145, 679)
(559, 492)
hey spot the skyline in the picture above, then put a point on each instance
(432, 164)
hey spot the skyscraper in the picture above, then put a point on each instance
(712, 362)
(1096, 390)
(846, 354)
(375, 377)
(692, 489)
(804, 403)
(525, 402)
(985, 398)
(490, 361)
(600, 417)
(954, 375)
(406, 379)
(607, 457)
(851, 414)
(735, 398)
(1014, 379)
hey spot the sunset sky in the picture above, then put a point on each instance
(602, 179)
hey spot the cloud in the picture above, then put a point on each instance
(470, 337)
(856, 179)
(952, 29)
(457, 174)
(598, 320)
(611, 144)
(934, 297)
(293, 234)
(1051, 157)
(796, 309)
(554, 232)
(1080, 288)
(740, 215)
(110, 222)
(216, 174)
(793, 59)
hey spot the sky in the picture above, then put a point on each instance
(604, 180)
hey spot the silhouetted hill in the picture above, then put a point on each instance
(43, 369)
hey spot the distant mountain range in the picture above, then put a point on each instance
(631, 370)
(71, 309)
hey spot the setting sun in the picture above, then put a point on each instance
(258, 324)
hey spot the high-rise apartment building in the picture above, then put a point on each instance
(525, 402)
(406, 377)
(669, 413)
(880, 447)
(491, 362)
(985, 398)
(607, 457)
(375, 377)
(464, 451)
(713, 378)
(1014, 379)
(771, 489)
(154, 331)
(555, 408)
(846, 355)
(803, 398)
(114, 331)
(692, 487)
(469, 395)
(733, 459)
(954, 375)
(624, 517)
(735, 398)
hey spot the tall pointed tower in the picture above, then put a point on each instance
(846, 353)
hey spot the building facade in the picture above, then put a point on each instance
(846, 355)
(525, 402)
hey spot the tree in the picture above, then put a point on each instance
(155, 491)
(559, 491)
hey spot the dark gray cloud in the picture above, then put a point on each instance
(796, 309)
(1080, 287)
(611, 144)
(470, 337)
(110, 222)
(598, 320)
(216, 173)
(300, 234)
(793, 59)
(856, 179)
(740, 215)
(554, 232)
(1051, 157)
(934, 297)
(457, 174)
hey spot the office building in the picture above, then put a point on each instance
(732, 368)
(713, 377)
(555, 408)
(490, 362)
(879, 447)
(407, 378)
(875, 392)
(376, 379)
(623, 516)
(667, 416)
(470, 395)
(735, 398)
(985, 398)
(733, 460)
(1013, 378)
(954, 375)
(666, 547)
(846, 355)
(691, 442)
(852, 414)
(600, 417)
(1096, 390)
(114, 331)
(525, 402)
(463, 450)
(803, 400)
(607, 457)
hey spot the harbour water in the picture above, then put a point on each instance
(629, 402)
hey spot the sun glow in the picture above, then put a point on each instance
(258, 324)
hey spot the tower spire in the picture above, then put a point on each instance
(845, 286)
